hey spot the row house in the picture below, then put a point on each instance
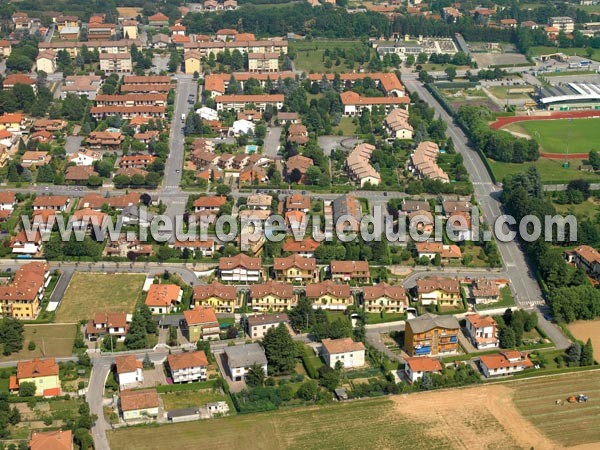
(329, 295)
(240, 102)
(430, 250)
(112, 324)
(110, 140)
(159, 99)
(216, 83)
(431, 335)
(22, 297)
(220, 297)
(357, 271)
(128, 112)
(271, 296)
(277, 46)
(439, 291)
(423, 162)
(116, 62)
(359, 166)
(384, 298)
(259, 324)
(507, 362)
(296, 269)
(188, 367)
(136, 161)
(240, 268)
(397, 126)
(482, 330)
(200, 323)
(105, 46)
(355, 103)
(388, 82)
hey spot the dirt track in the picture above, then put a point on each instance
(475, 418)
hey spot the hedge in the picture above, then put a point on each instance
(311, 362)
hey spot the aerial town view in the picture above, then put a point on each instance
(299, 224)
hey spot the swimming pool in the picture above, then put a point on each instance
(251, 148)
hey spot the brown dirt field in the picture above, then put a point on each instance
(482, 417)
(584, 329)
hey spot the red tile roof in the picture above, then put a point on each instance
(187, 360)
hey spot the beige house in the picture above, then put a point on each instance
(271, 296)
(116, 62)
(220, 297)
(130, 29)
(296, 269)
(263, 62)
(46, 61)
(329, 295)
(384, 297)
(192, 62)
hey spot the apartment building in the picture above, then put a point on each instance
(431, 335)
(116, 62)
(482, 330)
(188, 367)
(271, 296)
(21, 298)
(220, 297)
(384, 297)
(439, 291)
(263, 62)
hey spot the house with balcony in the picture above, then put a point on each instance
(439, 291)
(43, 373)
(431, 335)
(222, 298)
(257, 325)
(329, 295)
(240, 358)
(113, 324)
(188, 367)
(357, 271)
(200, 323)
(161, 298)
(482, 330)
(296, 269)
(504, 363)
(271, 296)
(384, 298)
(240, 268)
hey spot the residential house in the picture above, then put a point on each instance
(84, 157)
(102, 31)
(415, 368)
(136, 161)
(451, 207)
(296, 269)
(209, 203)
(431, 249)
(8, 200)
(41, 372)
(329, 295)
(258, 325)
(388, 82)
(259, 201)
(116, 62)
(53, 202)
(46, 61)
(19, 78)
(158, 20)
(5, 48)
(130, 29)
(105, 139)
(482, 331)
(439, 291)
(287, 117)
(359, 166)
(21, 298)
(113, 324)
(423, 162)
(507, 362)
(201, 324)
(345, 351)
(240, 358)
(79, 174)
(430, 334)
(188, 367)
(87, 85)
(271, 296)
(161, 298)
(263, 62)
(450, 14)
(357, 271)
(354, 103)
(35, 159)
(586, 257)
(397, 126)
(240, 268)
(139, 404)
(297, 134)
(296, 168)
(305, 248)
(193, 62)
(24, 243)
(129, 371)
(485, 290)
(347, 213)
(118, 202)
(563, 23)
(51, 440)
(384, 298)
(220, 297)
(205, 248)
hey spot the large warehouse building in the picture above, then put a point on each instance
(570, 97)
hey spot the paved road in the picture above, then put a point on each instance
(518, 268)
(272, 142)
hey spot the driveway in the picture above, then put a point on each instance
(329, 143)
(73, 144)
(234, 386)
(154, 377)
(272, 142)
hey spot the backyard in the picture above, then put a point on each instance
(310, 54)
(52, 340)
(97, 292)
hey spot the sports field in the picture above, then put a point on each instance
(491, 417)
(52, 340)
(89, 293)
(580, 135)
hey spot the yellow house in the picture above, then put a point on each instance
(271, 296)
(41, 372)
(139, 404)
(384, 297)
(130, 29)
(22, 297)
(192, 62)
(296, 269)
(201, 324)
(329, 295)
(439, 291)
(220, 297)
(11, 121)
(46, 61)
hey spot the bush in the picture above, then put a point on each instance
(31, 346)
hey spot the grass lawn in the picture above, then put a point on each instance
(51, 340)
(587, 208)
(331, 426)
(506, 300)
(581, 135)
(502, 92)
(568, 424)
(96, 292)
(188, 399)
(551, 170)
(309, 54)
(541, 50)
(347, 126)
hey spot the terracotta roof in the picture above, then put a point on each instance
(281, 290)
(385, 290)
(388, 80)
(146, 79)
(265, 319)
(306, 245)
(158, 17)
(431, 284)
(294, 261)
(127, 363)
(79, 173)
(201, 315)
(267, 98)
(95, 201)
(162, 294)
(112, 320)
(349, 266)
(51, 440)
(587, 253)
(187, 360)
(343, 345)
(7, 197)
(46, 201)
(317, 290)
(352, 98)
(424, 364)
(241, 260)
(445, 251)
(210, 201)
(485, 287)
(18, 78)
(37, 368)
(133, 400)
(302, 163)
(479, 321)
(215, 289)
(503, 360)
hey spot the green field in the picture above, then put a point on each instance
(568, 424)
(366, 424)
(89, 293)
(502, 92)
(189, 399)
(581, 135)
(50, 341)
(309, 55)
(551, 170)
(541, 50)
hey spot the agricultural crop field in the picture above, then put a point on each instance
(98, 292)
(587, 329)
(52, 340)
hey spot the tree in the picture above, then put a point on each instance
(574, 352)
(308, 391)
(587, 354)
(73, 107)
(204, 346)
(329, 378)
(151, 325)
(280, 350)
(594, 159)
(11, 335)
(255, 376)
(302, 316)
(83, 439)
(223, 189)
(450, 72)
(507, 338)
(27, 389)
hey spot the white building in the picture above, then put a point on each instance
(507, 362)
(188, 367)
(415, 368)
(482, 330)
(240, 358)
(240, 268)
(129, 371)
(258, 325)
(349, 353)
(206, 113)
